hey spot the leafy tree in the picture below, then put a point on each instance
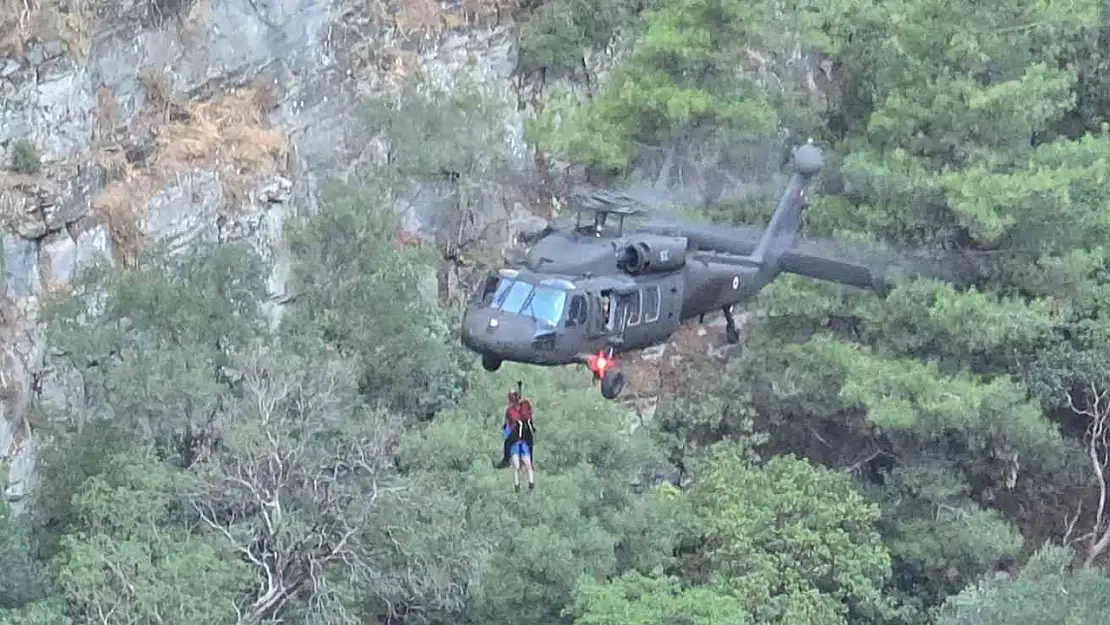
(356, 287)
(287, 467)
(635, 599)
(453, 190)
(139, 359)
(25, 582)
(585, 517)
(939, 537)
(792, 539)
(129, 562)
(560, 33)
(1044, 592)
(50, 611)
(149, 344)
(786, 542)
(678, 83)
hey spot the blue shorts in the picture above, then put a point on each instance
(519, 449)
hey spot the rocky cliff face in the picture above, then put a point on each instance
(129, 121)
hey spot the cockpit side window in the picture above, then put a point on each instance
(494, 290)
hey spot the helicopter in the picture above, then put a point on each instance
(586, 292)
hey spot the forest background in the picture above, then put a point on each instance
(934, 456)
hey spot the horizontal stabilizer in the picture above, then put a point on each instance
(815, 264)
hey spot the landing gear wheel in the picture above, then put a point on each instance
(612, 383)
(732, 333)
(489, 363)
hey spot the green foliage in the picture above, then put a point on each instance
(786, 542)
(148, 344)
(290, 471)
(796, 542)
(23, 582)
(678, 79)
(714, 406)
(25, 158)
(462, 124)
(584, 517)
(1044, 593)
(634, 599)
(47, 612)
(938, 536)
(128, 561)
(378, 292)
(558, 35)
(64, 467)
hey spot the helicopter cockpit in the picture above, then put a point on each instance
(545, 300)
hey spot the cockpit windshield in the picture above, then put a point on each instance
(542, 302)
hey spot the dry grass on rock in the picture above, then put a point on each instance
(429, 17)
(228, 133)
(24, 21)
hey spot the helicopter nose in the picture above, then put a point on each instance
(488, 331)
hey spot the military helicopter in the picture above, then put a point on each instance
(586, 292)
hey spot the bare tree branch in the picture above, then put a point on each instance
(1095, 406)
(302, 473)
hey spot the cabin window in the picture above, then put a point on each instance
(576, 315)
(634, 308)
(607, 310)
(651, 304)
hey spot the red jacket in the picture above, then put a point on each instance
(512, 415)
(520, 412)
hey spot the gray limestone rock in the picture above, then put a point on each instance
(523, 220)
(20, 265)
(654, 353)
(9, 67)
(19, 206)
(50, 107)
(277, 191)
(92, 246)
(48, 202)
(186, 212)
(57, 259)
(20, 355)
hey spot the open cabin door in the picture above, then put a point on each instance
(610, 315)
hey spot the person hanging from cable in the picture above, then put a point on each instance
(508, 428)
(517, 426)
(521, 458)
